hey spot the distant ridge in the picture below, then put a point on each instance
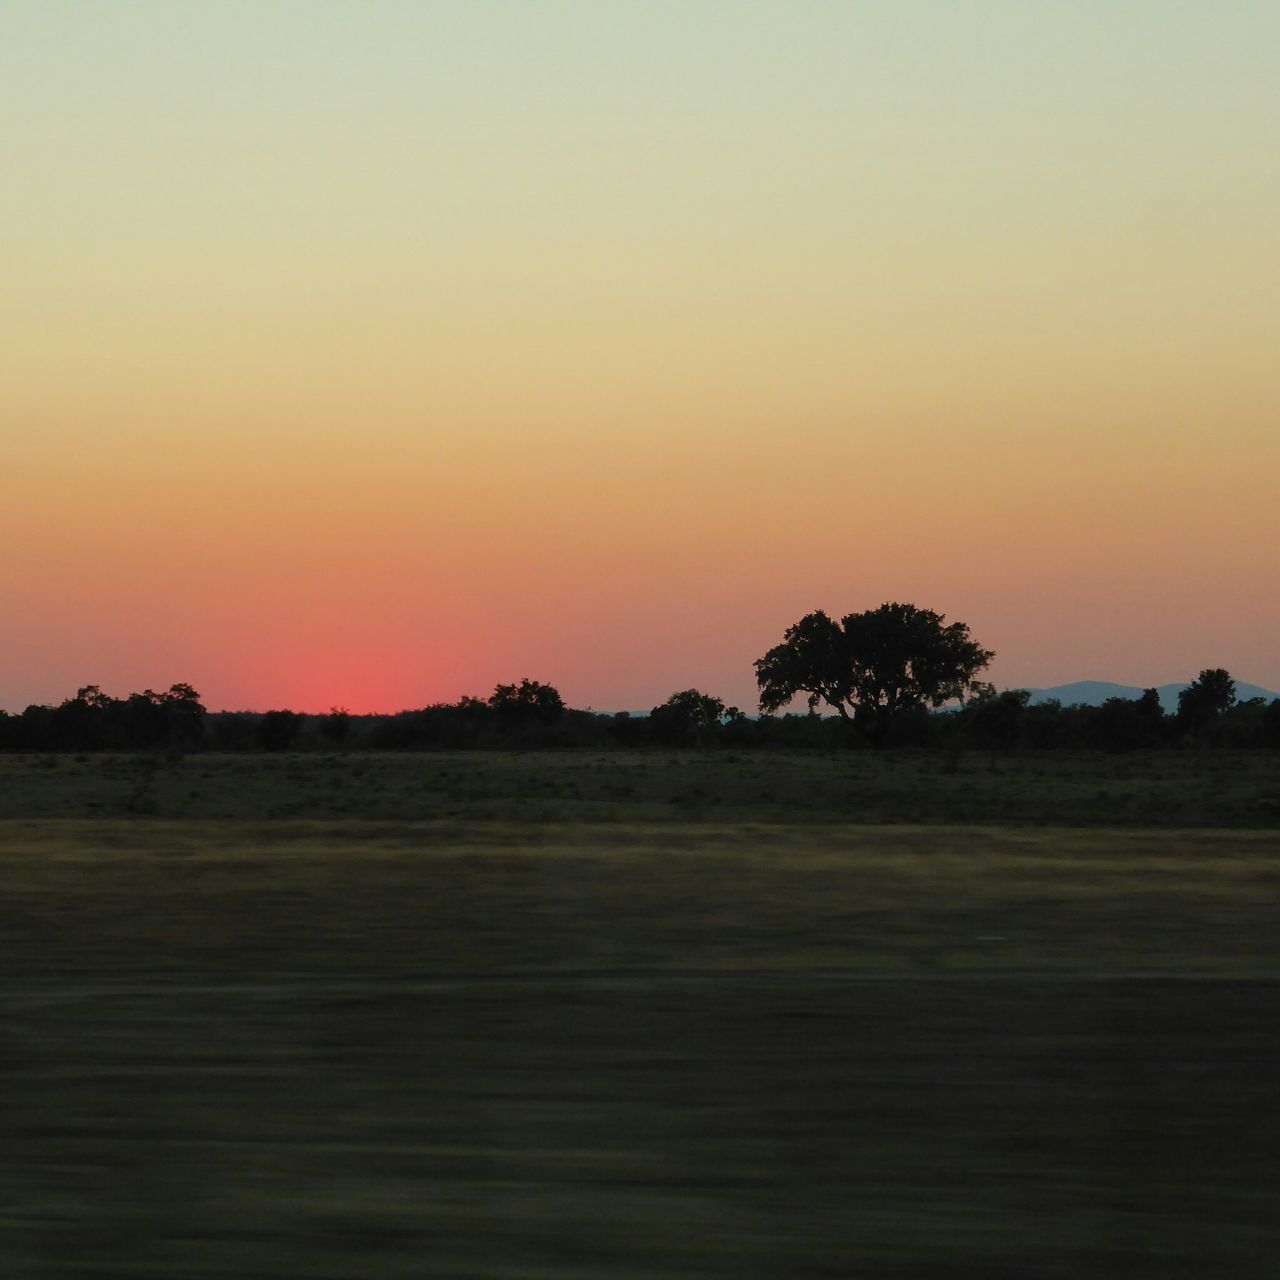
(1093, 693)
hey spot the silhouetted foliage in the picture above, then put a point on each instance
(183, 717)
(173, 722)
(1202, 704)
(1244, 724)
(1129, 724)
(335, 728)
(996, 720)
(625, 730)
(233, 730)
(532, 716)
(529, 702)
(689, 718)
(1270, 724)
(279, 730)
(871, 667)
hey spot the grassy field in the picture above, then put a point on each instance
(621, 1039)
(1161, 789)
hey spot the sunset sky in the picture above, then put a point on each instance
(371, 353)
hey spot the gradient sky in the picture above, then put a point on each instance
(370, 353)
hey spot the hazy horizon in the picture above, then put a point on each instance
(372, 355)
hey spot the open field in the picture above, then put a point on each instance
(1158, 789)
(467, 1048)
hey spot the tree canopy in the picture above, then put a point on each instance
(1204, 701)
(528, 702)
(689, 716)
(871, 667)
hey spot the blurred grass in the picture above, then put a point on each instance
(237, 900)
(638, 1015)
(469, 1046)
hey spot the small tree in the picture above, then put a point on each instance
(996, 720)
(871, 667)
(689, 716)
(183, 715)
(83, 723)
(1125, 724)
(1204, 701)
(335, 727)
(528, 702)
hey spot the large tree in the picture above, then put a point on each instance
(871, 667)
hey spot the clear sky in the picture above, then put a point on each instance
(373, 352)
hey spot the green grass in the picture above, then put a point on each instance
(471, 1047)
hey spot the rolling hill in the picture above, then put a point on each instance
(1093, 693)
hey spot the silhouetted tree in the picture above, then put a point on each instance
(183, 716)
(336, 726)
(34, 732)
(871, 667)
(1202, 703)
(142, 721)
(529, 702)
(995, 720)
(172, 721)
(1128, 724)
(83, 723)
(688, 717)
(91, 696)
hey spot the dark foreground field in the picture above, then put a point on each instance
(1169, 788)
(471, 1047)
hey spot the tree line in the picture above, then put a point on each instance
(895, 676)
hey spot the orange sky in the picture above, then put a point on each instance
(372, 355)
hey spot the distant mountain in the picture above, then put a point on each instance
(1093, 693)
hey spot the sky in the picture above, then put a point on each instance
(369, 354)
